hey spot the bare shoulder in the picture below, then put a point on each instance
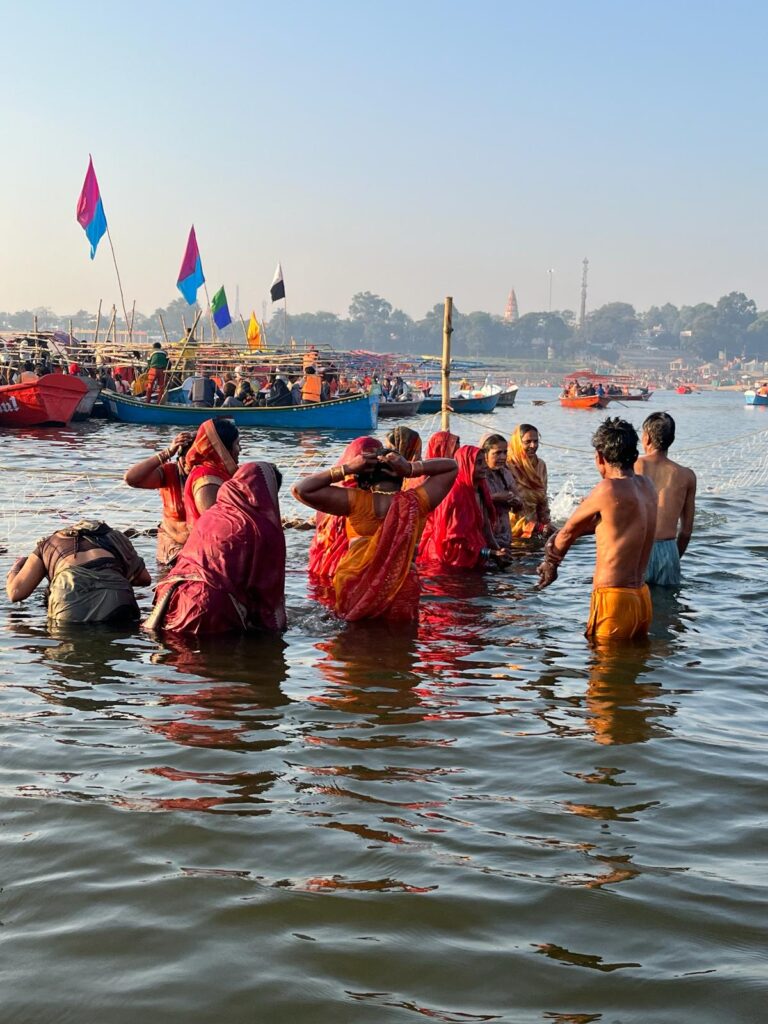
(646, 484)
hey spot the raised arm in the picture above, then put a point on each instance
(687, 515)
(148, 474)
(317, 490)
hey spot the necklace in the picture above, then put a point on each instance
(378, 490)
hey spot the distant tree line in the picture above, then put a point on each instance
(733, 325)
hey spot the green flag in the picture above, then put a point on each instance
(220, 309)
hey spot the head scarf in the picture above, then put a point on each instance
(330, 542)
(238, 550)
(406, 442)
(455, 530)
(210, 451)
(442, 445)
(531, 479)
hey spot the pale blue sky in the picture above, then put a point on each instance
(412, 149)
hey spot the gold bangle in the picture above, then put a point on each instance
(336, 474)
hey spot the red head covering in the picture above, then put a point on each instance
(208, 457)
(455, 535)
(330, 543)
(442, 445)
(237, 551)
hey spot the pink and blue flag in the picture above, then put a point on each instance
(191, 273)
(90, 209)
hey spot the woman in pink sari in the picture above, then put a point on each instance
(230, 575)
(211, 461)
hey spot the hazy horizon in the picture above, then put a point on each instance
(417, 152)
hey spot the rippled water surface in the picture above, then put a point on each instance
(482, 819)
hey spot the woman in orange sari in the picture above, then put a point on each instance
(330, 543)
(530, 475)
(211, 461)
(376, 578)
(159, 472)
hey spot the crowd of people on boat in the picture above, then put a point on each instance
(386, 513)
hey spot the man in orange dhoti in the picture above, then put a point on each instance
(621, 512)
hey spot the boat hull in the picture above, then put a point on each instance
(487, 403)
(507, 398)
(752, 398)
(585, 402)
(357, 413)
(85, 405)
(392, 410)
(51, 399)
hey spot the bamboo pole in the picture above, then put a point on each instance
(98, 325)
(117, 272)
(111, 324)
(34, 322)
(210, 313)
(130, 329)
(245, 330)
(181, 356)
(70, 332)
(184, 322)
(446, 368)
(162, 324)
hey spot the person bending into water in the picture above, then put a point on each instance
(621, 512)
(501, 484)
(211, 461)
(530, 475)
(92, 571)
(231, 574)
(676, 487)
(159, 472)
(331, 543)
(376, 577)
(459, 533)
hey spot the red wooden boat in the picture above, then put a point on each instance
(584, 402)
(49, 399)
(684, 389)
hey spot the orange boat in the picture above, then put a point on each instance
(52, 398)
(584, 402)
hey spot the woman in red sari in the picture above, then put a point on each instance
(231, 574)
(376, 577)
(442, 445)
(159, 472)
(211, 461)
(330, 543)
(459, 533)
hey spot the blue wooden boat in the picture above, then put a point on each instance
(752, 398)
(359, 412)
(485, 403)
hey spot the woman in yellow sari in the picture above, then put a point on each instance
(376, 578)
(530, 475)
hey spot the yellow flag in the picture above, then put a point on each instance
(254, 333)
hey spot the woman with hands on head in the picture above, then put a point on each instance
(376, 578)
(159, 472)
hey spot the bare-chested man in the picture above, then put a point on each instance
(621, 512)
(676, 486)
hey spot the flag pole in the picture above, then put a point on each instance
(119, 284)
(210, 312)
(245, 330)
(446, 367)
(98, 324)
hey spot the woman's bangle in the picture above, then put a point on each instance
(485, 552)
(336, 474)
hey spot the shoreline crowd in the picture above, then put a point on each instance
(385, 515)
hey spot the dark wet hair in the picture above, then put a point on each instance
(616, 440)
(525, 427)
(660, 428)
(157, 345)
(492, 441)
(380, 472)
(227, 431)
(278, 476)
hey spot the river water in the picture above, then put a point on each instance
(481, 819)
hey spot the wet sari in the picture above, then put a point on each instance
(455, 532)
(173, 530)
(377, 577)
(405, 442)
(531, 481)
(230, 575)
(442, 445)
(208, 462)
(330, 543)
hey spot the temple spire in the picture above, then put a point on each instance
(511, 314)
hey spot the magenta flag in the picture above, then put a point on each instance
(90, 209)
(191, 273)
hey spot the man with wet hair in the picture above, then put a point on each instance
(621, 512)
(676, 486)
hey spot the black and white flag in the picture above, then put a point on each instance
(277, 288)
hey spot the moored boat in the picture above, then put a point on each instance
(755, 398)
(508, 396)
(87, 402)
(462, 403)
(683, 389)
(50, 399)
(358, 412)
(392, 410)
